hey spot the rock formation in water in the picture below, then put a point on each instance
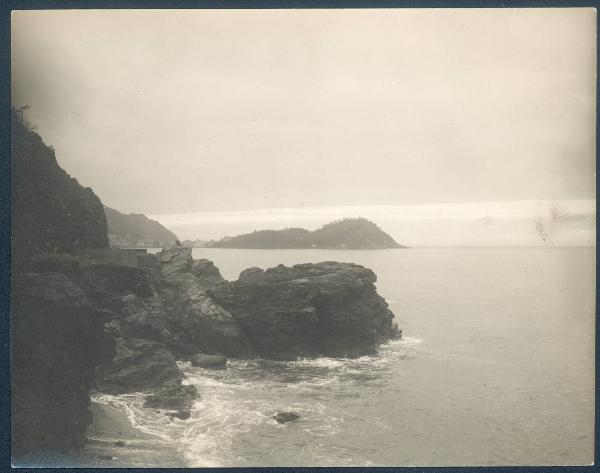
(202, 324)
(136, 231)
(324, 309)
(88, 317)
(350, 233)
(283, 417)
(50, 211)
(184, 310)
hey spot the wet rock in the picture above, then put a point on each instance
(324, 309)
(215, 362)
(121, 443)
(283, 417)
(183, 415)
(176, 397)
(138, 366)
(198, 322)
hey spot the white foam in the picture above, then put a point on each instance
(319, 362)
(243, 398)
(409, 340)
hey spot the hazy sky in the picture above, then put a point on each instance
(177, 112)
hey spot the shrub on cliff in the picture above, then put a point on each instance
(50, 211)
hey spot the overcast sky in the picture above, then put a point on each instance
(178, 112)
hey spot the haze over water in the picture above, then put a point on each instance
(496, 368)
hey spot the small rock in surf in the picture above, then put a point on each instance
(183, 415)
(283, 417)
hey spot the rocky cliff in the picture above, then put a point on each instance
(88, 317)
(324, 309)
(50, 211)
(57, 332)
(173, 308)
(57, 340)
(350, 233)
(186, 308)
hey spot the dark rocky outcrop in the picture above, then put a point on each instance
(176, 398)
(355, 233)
(50, 211)
(57, 340)
(327, 309)
(136, 231)
(202, 324)
(139, 365)
(283, 417)
(57, 331)
(139, 320)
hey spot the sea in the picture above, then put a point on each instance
(495, 367)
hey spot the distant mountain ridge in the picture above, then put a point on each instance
(136, 230)
(351, 233)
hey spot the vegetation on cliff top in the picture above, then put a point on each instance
(50, 211)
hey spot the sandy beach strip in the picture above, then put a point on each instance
(113, 442)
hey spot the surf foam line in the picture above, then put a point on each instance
(240, 400)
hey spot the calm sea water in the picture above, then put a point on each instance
(496, 368)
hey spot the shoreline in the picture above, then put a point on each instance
(113, 442)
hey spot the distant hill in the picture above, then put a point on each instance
(136, 230)
(352, 233)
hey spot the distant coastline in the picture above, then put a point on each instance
(349, 233)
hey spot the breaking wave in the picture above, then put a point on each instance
(232, 425)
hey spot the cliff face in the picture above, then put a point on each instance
(199, 322)
(324, 309)
(351, 233)
(136, 230)
(50, 211)
(57, 340)
(57, 333)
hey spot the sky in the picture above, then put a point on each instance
(249, 118)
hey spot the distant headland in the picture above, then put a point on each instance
(349, 233)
